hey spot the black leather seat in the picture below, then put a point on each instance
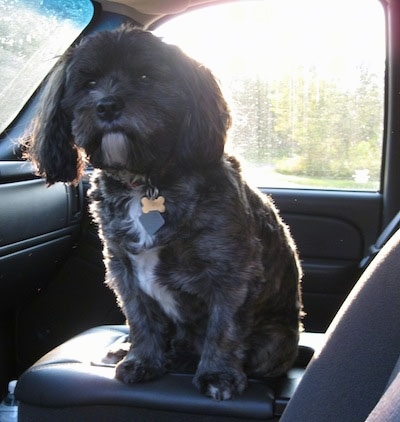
(69, 384)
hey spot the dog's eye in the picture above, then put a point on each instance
(91, 83)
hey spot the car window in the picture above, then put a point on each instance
(33, 34)
(305, 82)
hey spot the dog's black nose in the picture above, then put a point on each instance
(109, 108)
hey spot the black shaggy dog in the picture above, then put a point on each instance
(200, 263)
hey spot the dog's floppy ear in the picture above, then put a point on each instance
(207, 119)
(50, 144)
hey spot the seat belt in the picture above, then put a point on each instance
(386, 234)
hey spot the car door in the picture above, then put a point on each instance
(38, 228)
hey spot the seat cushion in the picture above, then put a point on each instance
(71, 383)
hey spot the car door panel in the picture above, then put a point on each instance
(38, 227)
(333, 230)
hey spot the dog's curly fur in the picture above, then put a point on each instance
(220, 279)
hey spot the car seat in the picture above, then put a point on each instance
(353, 377)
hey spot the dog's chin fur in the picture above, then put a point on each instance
(216, 277)
(115, 150)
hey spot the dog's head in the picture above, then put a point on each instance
(127, 101)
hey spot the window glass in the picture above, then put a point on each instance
(305, 82)
(33, 34)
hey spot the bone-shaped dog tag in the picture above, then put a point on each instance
(152, 207)
(153, 204)
(152, 221)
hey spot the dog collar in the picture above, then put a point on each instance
(133, 185)
(126, 178)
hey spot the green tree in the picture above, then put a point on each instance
(332, 131)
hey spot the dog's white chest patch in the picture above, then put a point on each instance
(146, 262)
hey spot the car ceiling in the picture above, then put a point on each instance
(145, 12)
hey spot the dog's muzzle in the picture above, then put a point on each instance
(109, 108)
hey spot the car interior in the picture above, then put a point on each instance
(58, 319)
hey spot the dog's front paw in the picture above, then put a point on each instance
(221, 385)
(116, 355)
(131, 371)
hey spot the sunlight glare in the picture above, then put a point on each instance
(283, 34)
